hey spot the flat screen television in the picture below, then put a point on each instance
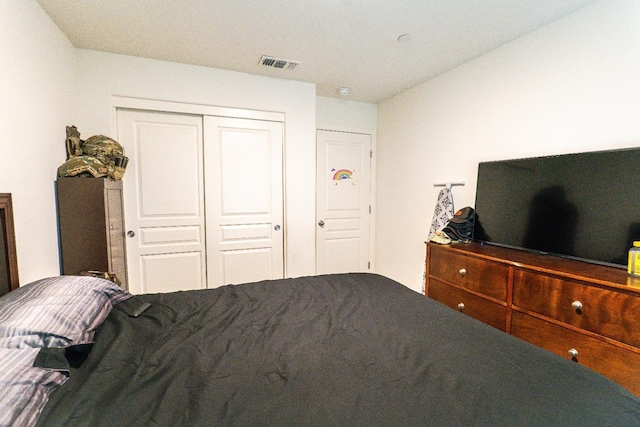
(584, 206)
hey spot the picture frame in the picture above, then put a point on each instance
(8, 256)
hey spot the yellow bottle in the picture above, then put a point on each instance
(634, 259)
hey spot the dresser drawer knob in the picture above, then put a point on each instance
(461, 307)
(577, 306)
(573, 353)
(463, 271)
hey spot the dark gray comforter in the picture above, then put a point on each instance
(336, 350)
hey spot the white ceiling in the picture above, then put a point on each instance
(351, 43)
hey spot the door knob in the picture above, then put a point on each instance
(321, 223)
(277, 228)
(131, 233)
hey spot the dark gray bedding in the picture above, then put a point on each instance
(336, 350)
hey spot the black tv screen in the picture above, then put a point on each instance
(584, 206)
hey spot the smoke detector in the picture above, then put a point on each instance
(285, 64)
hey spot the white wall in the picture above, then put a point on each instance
(36, 73)
(102, 75)
(571, 86)
(345, 115)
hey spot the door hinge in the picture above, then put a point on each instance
(369, 265)
(371, 154)
(369, 209)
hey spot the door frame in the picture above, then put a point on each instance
(372, 183)
(125, 102)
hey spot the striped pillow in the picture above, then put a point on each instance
(25, 389)
(57, 312)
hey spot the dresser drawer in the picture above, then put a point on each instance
(484, 276)
(606, 312)
(617, 363)
(486, 311)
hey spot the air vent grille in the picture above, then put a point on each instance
(285, 64)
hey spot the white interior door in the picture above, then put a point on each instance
(244, 200)
(164, 200)
(343, 202)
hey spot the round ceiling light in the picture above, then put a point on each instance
(343, 91)
(404, 37)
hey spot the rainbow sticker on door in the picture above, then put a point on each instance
(342, 174)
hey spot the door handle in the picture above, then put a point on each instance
(131, 233)
(321, 223)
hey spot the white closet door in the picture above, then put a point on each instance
(244, 200)
(164, 200)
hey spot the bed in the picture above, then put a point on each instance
(333, 350)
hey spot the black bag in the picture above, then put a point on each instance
(460, 227)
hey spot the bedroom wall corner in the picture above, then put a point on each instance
(568, 87)
(37, 73)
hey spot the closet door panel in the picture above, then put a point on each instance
(244, 200)
(164, 200)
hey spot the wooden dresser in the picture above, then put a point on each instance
(585, 312)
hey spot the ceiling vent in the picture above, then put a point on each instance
(272, 62)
